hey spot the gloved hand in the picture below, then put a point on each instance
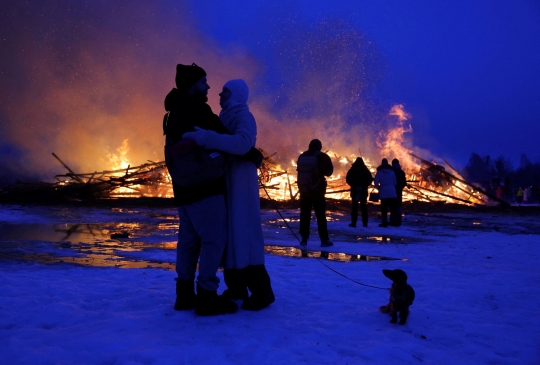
(253, 155)
(199, 136)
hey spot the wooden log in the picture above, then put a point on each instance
(158, 165)
(446, 195)
(453, 169)
(66, 166)
(421, 193)
(463, 181)
(91, 177)
(290, 188)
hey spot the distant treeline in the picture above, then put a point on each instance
(491, 173)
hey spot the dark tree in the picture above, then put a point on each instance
(479, 170)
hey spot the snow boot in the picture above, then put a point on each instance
(209, 303)
(258, 283)
(326, 243)
(185, 295)
(236, 286)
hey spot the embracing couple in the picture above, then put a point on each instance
(220, 222)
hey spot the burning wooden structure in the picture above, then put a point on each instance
(430, 183)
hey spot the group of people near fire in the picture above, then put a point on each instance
(219, 213)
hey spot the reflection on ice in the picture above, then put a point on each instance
(123, 245)
(291, 251)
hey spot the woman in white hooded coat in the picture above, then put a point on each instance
(244, 254)
(385, 182)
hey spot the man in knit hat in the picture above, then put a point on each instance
(359, 179)
(312, 166)
(202, 234)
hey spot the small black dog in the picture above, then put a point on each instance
(401, 296)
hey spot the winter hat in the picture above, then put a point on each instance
(188, 75)
(395, 161)
(359, 161)
(395, 275)
(239, 93)
(384, 162)
(315, 145)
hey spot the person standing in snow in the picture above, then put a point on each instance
(519, 195)
(401, 183)
(244, 255)
(526, 195)
(312, 194)
(385, 181)
(499, 192)
(202, 233)
(359, 178)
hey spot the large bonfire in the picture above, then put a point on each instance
(427, 181)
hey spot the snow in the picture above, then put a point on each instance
(475, 275)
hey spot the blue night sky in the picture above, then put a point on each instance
(79, 78)
(467, 71)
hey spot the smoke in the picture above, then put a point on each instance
(79, 79)
(326, 74)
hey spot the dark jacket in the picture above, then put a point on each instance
(400, 178)
(358, 177)
(186, 112)
(324, 168)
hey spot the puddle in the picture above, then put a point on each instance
(385, 239)
(88, 244)
(95, 260)
(92, 245)
(291, 251)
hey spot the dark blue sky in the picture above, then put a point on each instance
(467, 71)
(80, 78)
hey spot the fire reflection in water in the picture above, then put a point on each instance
(91, 245)
(291, 251)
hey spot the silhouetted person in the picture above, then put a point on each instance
(401, 183)
(359, 179)
(244, 253)
(519, 195)
(499, 192)
(312, 166)
(202, 233)
(385, 181)
(526, 195)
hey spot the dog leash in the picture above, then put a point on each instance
(311, 255)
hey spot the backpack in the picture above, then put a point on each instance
(308, 173)
(189, 164)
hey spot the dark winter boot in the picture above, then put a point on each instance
(403, 316)
(210, 304)
(258, 283)
(236, 286)
(185, 295)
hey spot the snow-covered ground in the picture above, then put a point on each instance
(70, 294)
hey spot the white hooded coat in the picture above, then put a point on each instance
(385, 181)
(245, 244)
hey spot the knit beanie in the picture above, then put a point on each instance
(315, 145)
(187, 76)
